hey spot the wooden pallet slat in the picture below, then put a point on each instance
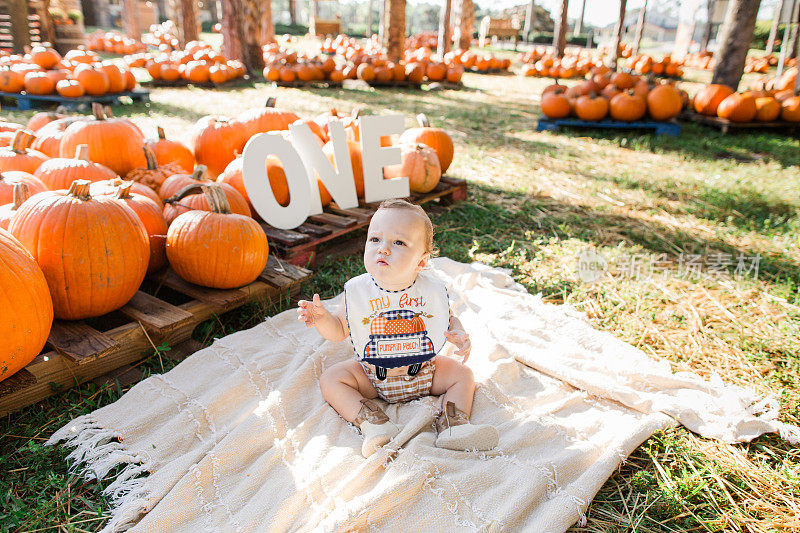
(154, 314)
(284, 236)
(725, 125)
(79, 341)
(220, 298)
(670, 127)
(334, 220)
(24, 101)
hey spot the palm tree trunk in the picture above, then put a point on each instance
(130, 19)
(443, 44)
(776, 20)
(637, 38)
(395, 25)
(711, 4)
(560, 33)
(740, 22)
(614, 52)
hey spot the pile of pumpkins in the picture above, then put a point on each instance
(758, 105)
(163, 36)
(44, 71)
(77, 240)
(539, 62)
(784, 82)
(645, 64)
(619, 96)
(352, 60)
(113, 42)
(196, 63)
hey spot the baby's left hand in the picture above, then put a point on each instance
(460, 338)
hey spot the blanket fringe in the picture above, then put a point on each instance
(98, 451)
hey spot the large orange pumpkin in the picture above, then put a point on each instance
(277, 180)
(150, 214)
(555, 105)
(216, 248)
(591, 108)
(153, 175)
(11, 81)
(267, 118)
(790, 109)
(420, 164)
(215, 141)
(737, 108)
(178, 204)
(41, 119)
(627, 107)
(26, 310)
(19, 155)
(10, 178)
(114, 142)
(48, 137)
(60, 172)
(708, 99)
(110, 187)
(94, 82)
(93, 251)
(436, 138)
(664, 102)
(767, 109)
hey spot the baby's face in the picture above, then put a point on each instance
(395, 249)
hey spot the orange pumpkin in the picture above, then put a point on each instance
(39, 83)
(555, 105)
(7, 211)
(27, 311)
(234, 247)
(48, 137)
(436, 138)
(215, 141)
(664, 102)
(9, 179)
(93, 251)
(44, 57)
(150, 214)
(110, 187)
(60, 172)
(267, 118)
(420, 164)
(11, 81)
(114, 142)
(737, 108)
(153, 175)
(167, 151)
(177, 204)
(591, 108)
(116, 79)
(19, 155)
(790, 109)
(94, 82)
(354, 149)
(709, 97)
(627, 107)
(767, 109)
(41, 119)
(623, 80)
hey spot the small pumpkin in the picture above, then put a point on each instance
(149, 212)
(267, 118)
(93, 250)
(275, 174)
(94, 82)
(420, 164)
(153, 175)
(27, 313)
(168, 151)
(110, 187)
(41, 119)
(19, 155)
(436, 138)
(48, 137)
(216, 248)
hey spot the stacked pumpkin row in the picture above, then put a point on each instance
(163, 36)
(749, 106)
(43, 71)
(785, 82)
(197, 63)
(113, 42)
(645, 64)
(620, 97)
(540, 63)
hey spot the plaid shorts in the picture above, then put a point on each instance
(403, 388)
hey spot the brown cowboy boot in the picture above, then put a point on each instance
(456, 432)
(375, 426)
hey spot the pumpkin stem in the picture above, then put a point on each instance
(334, 112)
(199, 173)
(216, 198)
(82, 152)
(21, 193)
(270, 102)
(356, 112)
(161, 134)
(109, 113)
(150, 157)
(80, 189)
(124, 190)
(22, 141)
(98, 111)
(423, 120)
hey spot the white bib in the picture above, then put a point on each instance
(390, 329)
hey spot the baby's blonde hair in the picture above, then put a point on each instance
(397, 203)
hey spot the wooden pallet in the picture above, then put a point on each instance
(670, 127)
(303, 245)
(725, 125)
(23, 101)
(165, 310)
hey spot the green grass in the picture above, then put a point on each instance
(536, 200)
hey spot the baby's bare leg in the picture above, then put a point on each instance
(456, 381)
(344, 385)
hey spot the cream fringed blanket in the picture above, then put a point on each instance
(238, 438)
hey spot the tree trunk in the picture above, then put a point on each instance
(293, 12)
(369, 19)
(614, 52)
(711, 4)
(793, 41)
(20, 30)
(382, 23)
(443, 45)
(776, 20)
(246, 26)
(130, 19)
(740, 22)
(560, 33)
(267, 25)
(528, 26)
(637, 38)
(395, 29)
(189, 21)
(465, 24)
(231, 43)
(579, 22)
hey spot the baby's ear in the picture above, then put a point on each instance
(424, 260)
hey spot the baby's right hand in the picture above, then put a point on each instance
(310, 312)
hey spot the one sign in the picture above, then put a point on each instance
(304, 162)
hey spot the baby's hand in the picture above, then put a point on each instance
(461, 340)
(310, 312)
